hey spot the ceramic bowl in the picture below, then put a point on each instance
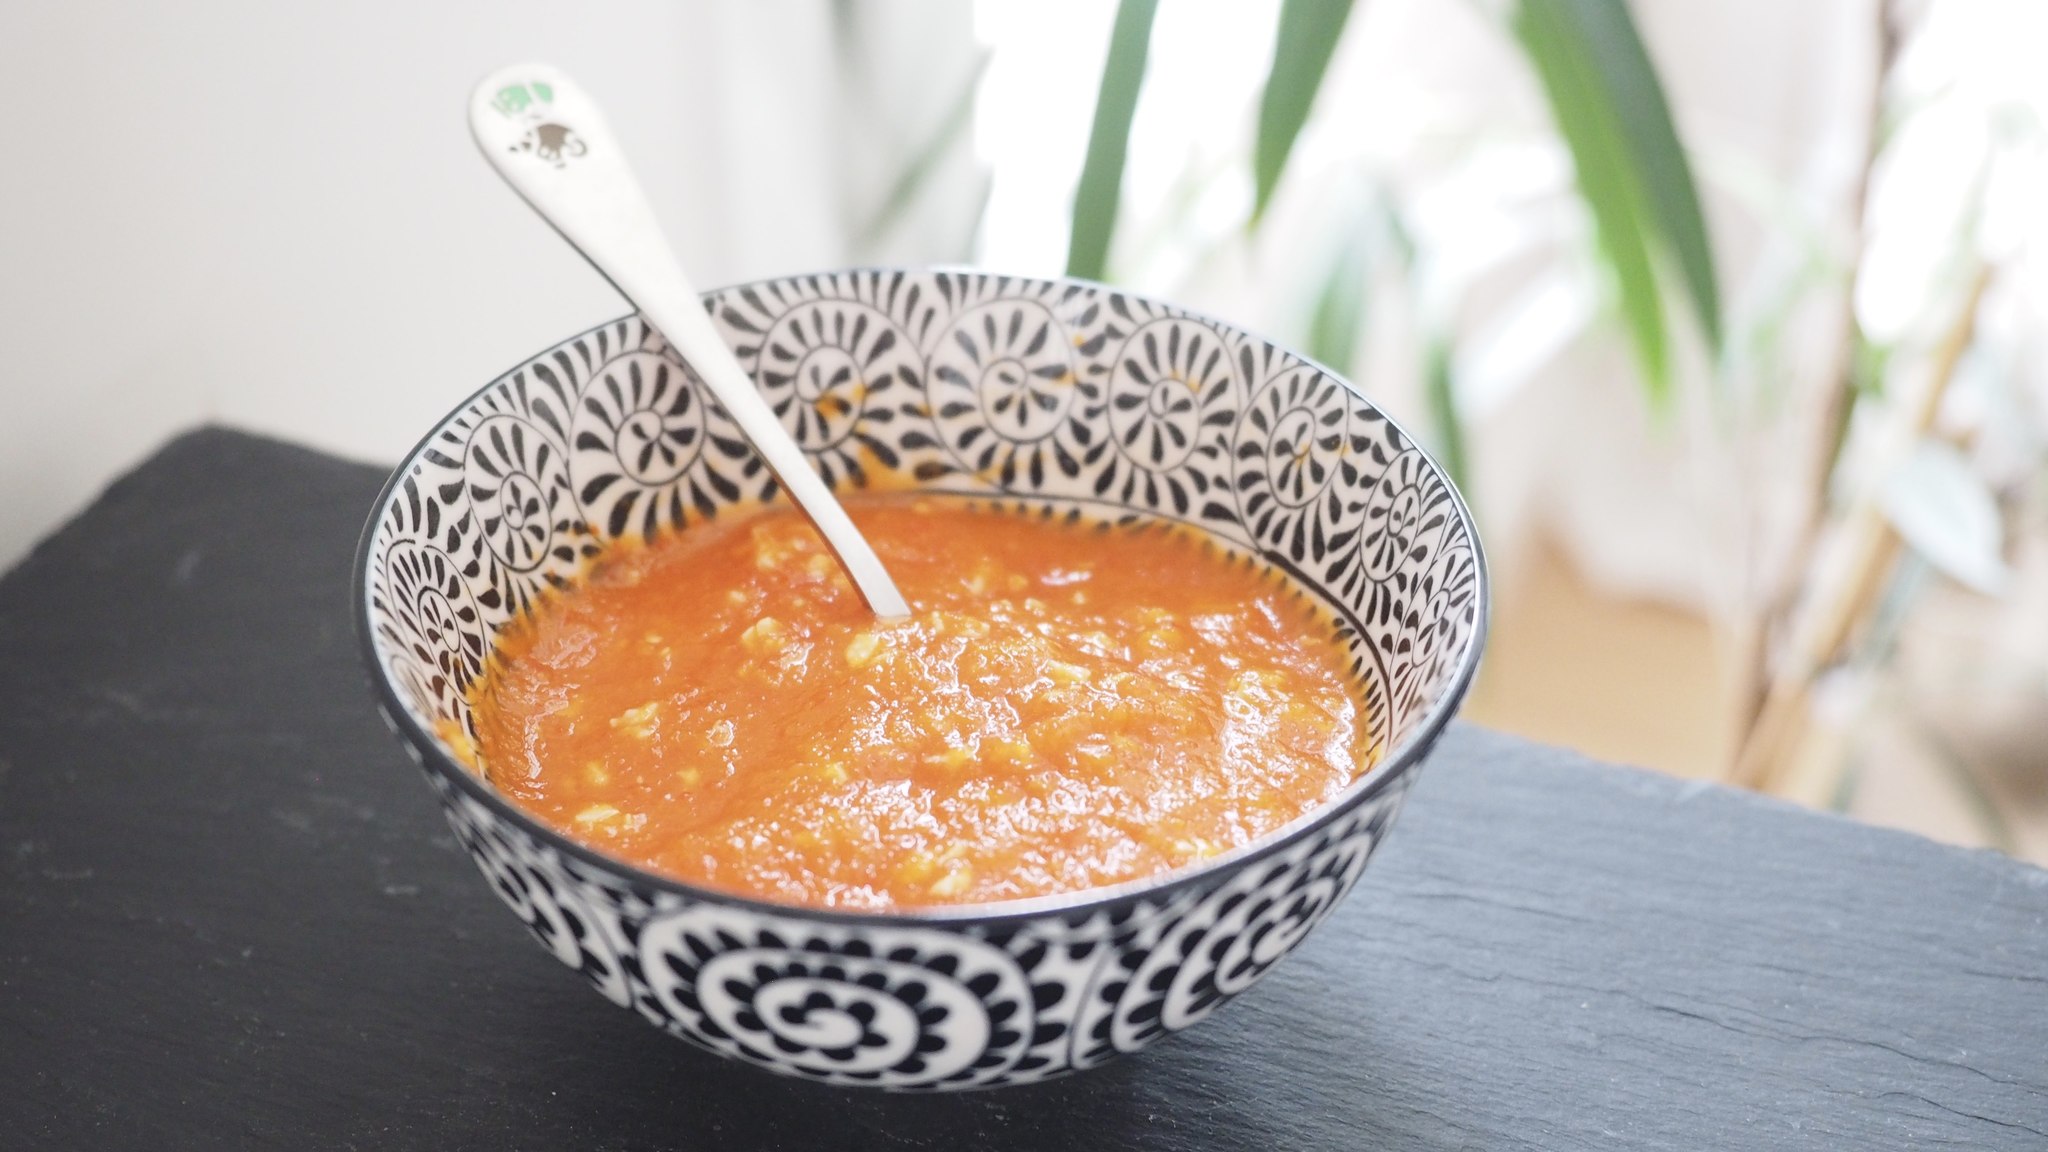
(1057, 394)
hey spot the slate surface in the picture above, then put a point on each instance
(230, 916)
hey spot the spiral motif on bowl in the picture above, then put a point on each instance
(518, 484)
(436, 624)
(1444, 604)
(1237, 936)
(638, 427)
(1003, 390)
(833, 369)
(1289, 462)
(1403, 508)
(1170, 393)
(897, 1007)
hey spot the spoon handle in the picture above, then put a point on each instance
(548, 139)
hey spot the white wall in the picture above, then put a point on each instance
(271, 214)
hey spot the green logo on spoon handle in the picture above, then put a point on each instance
(517, 98)
(551, 142)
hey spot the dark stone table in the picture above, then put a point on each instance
(231, 917)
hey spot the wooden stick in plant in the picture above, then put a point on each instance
(1833, 405)
(1843, 595)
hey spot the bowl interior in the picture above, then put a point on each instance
(1054, 393)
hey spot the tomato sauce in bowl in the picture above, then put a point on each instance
(1069, 706)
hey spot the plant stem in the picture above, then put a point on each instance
(1835, 405)
(1843, 595)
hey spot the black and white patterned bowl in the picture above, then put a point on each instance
(1059, 394)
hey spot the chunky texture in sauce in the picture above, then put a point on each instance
(1068, 707)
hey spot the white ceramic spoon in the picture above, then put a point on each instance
(546, 137)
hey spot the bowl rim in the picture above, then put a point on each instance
(1397, 766)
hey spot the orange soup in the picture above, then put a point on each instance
(1068, 706)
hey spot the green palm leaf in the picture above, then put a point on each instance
(1336, 322)
(1102, 173)
(1301, 53)
(1632, 171)
(1440, 393)
(1337, 318)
